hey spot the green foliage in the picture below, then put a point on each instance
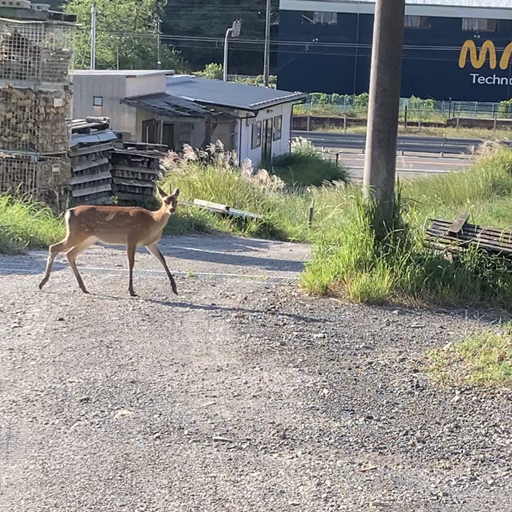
(25, 225)
(505, 107)
(124, 35)
(362, 101)
(350, 260)
(258, 81)
(212, 71)
(304, 166)
(206, 19)
(483, 359)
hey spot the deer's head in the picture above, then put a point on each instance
(170, 201)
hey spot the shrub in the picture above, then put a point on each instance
(26, 225)
(213, 71)
(305, 166)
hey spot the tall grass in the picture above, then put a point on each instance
(305, 166)
(26, 225)
(350, 261)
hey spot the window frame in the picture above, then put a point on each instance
(278, 133)
(256, 135)
(95, 99)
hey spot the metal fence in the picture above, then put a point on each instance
(415, 109)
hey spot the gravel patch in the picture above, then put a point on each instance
(240, 394)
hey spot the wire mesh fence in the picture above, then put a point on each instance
(415, 109)
(36, 51)
(39, 178)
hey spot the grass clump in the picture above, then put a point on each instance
(304, 166)
(483, 359)
(350, 260)
(27, 225)
(284, 209)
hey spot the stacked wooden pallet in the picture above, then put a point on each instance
(458, 235)
(91, 148)
(135, 170)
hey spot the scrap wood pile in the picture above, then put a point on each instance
(34, 120)
(458, 235)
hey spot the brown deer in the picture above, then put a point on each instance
(116, 225)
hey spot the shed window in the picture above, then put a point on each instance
(320, 18)
(278, 127)
(417, 22)
(97, 101)
(479, 25)
(256, 135)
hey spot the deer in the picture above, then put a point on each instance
(114, 225)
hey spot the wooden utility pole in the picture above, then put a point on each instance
(385, 80)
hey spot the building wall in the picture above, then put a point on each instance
(279, 147)
(142, 85)
(430, 66)
(112, 89)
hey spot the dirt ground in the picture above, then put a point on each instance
(240, 394)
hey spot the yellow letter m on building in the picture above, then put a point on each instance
(478, 59)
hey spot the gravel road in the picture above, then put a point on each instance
(241, 394)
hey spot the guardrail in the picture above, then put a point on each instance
(410, 144)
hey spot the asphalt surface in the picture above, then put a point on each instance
(408, 166)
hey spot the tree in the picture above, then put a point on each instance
(126, 35)
(213, 71)
(203, 20)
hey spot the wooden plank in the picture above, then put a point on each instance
(459, 223)
(87, 150)
(488, 246)
(90, 178)
(212, 206)
(241, 213)
(89, 164)
(504, 239)
(133, 183)
(81, 192)
(144, 170)
(154, 155)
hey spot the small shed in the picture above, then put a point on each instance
(263, 116)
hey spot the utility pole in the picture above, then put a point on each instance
(266, 59)
(385, 81)
(93, 36)
(233, 31)
(158, 33)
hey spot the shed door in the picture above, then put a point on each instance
(266, 146)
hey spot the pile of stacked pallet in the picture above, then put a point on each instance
(91, 147)
(36, 48)
(135, 170)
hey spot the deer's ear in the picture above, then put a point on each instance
(176, 192)
(161, 192)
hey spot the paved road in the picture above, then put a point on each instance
(411, 144)
(408, 166)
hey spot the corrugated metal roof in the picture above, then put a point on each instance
(228, 94)
(166, 105)
(128, 73)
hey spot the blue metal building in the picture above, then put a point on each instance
(458, 49)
